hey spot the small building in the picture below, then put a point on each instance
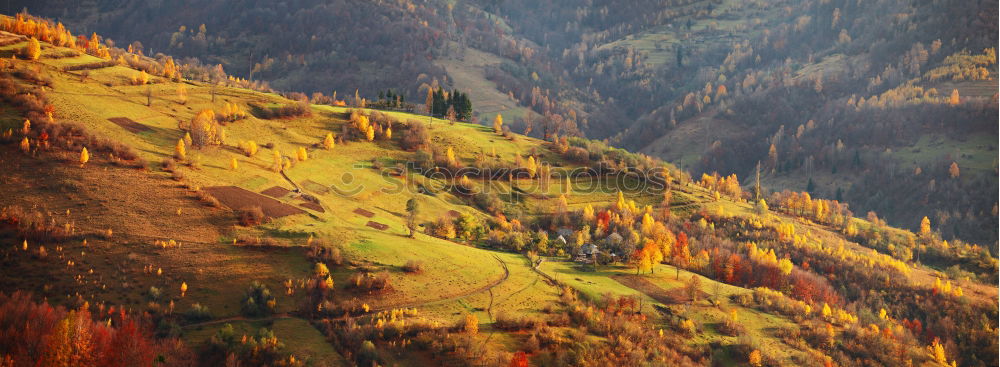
(561, 239)
(587, 253)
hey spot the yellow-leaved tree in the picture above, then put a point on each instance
(182, 94)
(329, 142)
(620, 203)
(785, 265)
(233, 164)
(141, 78)
(450, 156)
(84, 156)
(301, 154)
(937, 352)
(321, 270)
(925, 226)
(33, 50)
(588, 214)
(204, 129)
(755, 359)
(169, 68)
(249, 148)
(276, 166)
(471, 324)
(642, 260)
(465, 183)
(498, 124)
(179, 150)
(532, 166)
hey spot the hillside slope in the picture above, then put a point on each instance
(161, 217)
(710, 84)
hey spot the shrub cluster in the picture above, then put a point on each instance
(252, 216)
(370, 283)
(297, 109)
(258, 301)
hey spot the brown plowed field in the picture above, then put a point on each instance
(237, 198)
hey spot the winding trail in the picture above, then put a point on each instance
(535, 281)
(240, 318)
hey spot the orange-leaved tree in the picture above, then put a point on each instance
(33, 50)
(681, 253)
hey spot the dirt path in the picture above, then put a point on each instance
(511, 295)
(239, 318)
(486, 288)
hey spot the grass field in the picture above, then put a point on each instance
(976, 153)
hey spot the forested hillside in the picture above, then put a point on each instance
(867, 102)
(161, 212)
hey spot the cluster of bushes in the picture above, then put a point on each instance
(367, 126)
(521, 240)
(297, 109)
(356, 337)
(198, 313)
(252, 216)
(391, 100)
(414, 267)
(415, 137)
(34, 225)
(226, 347)
(207, 199)
(90, 65)
(369, 283)
(506, 322)
(258, 301)
(320, 251)
(32, 75)
(257, 241)
(465, 227)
